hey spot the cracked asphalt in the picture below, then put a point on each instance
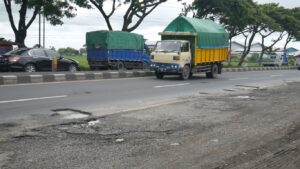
(259, 128)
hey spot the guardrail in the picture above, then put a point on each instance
(59, 77)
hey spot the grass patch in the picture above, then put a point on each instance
(83, 63)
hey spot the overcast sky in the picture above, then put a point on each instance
(72, 33)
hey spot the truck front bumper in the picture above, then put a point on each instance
(165, 67)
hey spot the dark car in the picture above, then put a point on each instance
(36, 59)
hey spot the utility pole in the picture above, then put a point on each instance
(44, 31)
(39, 30)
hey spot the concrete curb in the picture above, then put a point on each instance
(23, 79)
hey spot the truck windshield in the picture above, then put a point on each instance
(167, 46)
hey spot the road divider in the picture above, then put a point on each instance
(60, 77)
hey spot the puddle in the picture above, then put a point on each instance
(70, 114)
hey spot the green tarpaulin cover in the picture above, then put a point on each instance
(114, 40)
(209, 33)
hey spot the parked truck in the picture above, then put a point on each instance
(190, 45)
(116, 50)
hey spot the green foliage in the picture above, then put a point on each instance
(292, 61)
(68, 51)
(83, 64)
(234, 58)
(253, 58)
(82, 51)
(235, 15)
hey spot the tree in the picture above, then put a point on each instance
(53, 10)
(234, 15)
(276, 13)
(68, 51)
(291, 25)
(135, 14)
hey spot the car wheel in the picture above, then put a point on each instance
(29, 68)
(159, 75)
(73, 68)
(185, 73)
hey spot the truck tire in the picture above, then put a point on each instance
(185, 73)
(159, 75)
(214, 71)
(120, 66)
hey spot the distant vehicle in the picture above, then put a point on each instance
(276, 59)
(190, 46)
(116, 50)
(36, 59)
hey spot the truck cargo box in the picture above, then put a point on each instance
(116, 50)
(209, 40)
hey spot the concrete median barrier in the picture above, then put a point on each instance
(60, 77)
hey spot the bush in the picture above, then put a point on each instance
(292, 62)
(253, 58)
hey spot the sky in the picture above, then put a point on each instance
(72, 32)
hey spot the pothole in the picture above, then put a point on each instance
(70, 113)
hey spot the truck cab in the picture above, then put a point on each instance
(170, 57)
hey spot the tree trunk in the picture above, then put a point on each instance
(262, 50)
(261, 57)
(20, 37)
(230, 40)
(288, 40)
(247, 49)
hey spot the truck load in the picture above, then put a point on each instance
(190, 45)
(116, 50)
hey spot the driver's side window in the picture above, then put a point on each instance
(185, 47)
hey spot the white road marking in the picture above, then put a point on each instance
(174, 85)
(245, 78)
(31, 99)
(276, 75)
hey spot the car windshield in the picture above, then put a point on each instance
(167, 46)
(16, 52)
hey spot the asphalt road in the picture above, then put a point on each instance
(109, 96)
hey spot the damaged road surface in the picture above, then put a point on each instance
(260, 129)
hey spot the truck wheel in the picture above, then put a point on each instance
(120, 66)
(159, 75)
(214, 71)
(185, 73)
